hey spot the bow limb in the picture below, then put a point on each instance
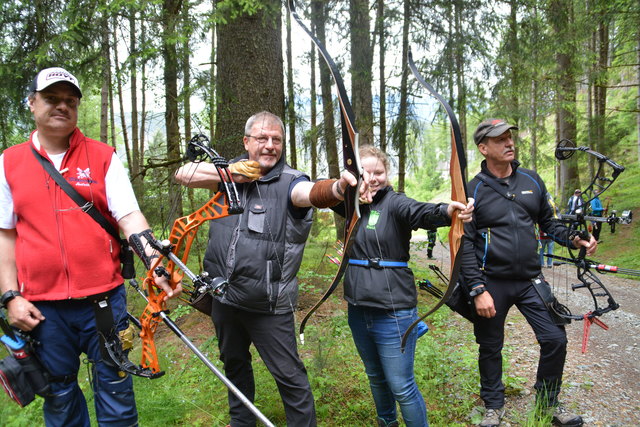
(180, 240)
(566, 148)
(351, 163)
(457, 172)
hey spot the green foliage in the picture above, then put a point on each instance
(428, 170)
(180, 311)
(623, 195)
(228, 10)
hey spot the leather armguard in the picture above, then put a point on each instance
(138, 247)
(321, 194)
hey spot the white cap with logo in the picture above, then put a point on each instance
(49, 76)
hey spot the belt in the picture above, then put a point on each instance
(377, 263)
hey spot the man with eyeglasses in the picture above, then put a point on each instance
(57, 263)
(501, 268)
(259, 252)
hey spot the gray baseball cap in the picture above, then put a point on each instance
(491, 128)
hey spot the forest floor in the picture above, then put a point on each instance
(603, 385)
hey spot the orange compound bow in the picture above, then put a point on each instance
(176, 250)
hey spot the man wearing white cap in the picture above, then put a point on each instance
(57, 263)
(501, 268)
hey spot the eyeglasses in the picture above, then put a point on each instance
(263, 139)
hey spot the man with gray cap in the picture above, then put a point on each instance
(59, 269)
(500, 267)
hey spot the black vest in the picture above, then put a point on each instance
(260, 251)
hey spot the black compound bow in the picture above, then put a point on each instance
(602, 299)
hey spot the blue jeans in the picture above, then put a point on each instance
(68, 331)
(377, 334)
(546, 247)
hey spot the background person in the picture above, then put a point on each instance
(596, 210)
(575, 202)
(546, 247)
(431, 242)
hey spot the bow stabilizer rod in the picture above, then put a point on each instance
(226, 381)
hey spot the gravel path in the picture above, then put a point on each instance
(603, 385)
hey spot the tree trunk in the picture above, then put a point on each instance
(143, 109)
(601, 85)
(291, 104)
(514, 54)
(383, 89)
(212, 77)
(638, 90)
(318, 15)
(170, 17)
(461, 98)
(560, 15)
(186, 71)
(133, 70)
(134, 166)
(123, 119)
(591, 73)
(250, 72)
(533, 150)
(401, 129)
(106, 71)
(361, 65)
(313, 143)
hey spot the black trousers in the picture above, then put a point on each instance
(274, 338)
(490, 337)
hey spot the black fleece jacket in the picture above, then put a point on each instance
(501, 239)
(385, 233)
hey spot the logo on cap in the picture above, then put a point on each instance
(57, 75)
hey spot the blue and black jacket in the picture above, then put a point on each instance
(501, 239)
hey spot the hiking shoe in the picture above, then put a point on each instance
(492, 418)
(563, 418)
(383, 423)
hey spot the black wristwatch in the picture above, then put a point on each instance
(477, 291)
(8, 296)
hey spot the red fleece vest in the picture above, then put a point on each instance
(61, 252)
